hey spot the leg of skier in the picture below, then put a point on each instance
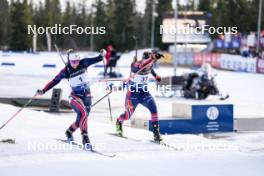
(81, 105)
(78, 108)
(83, 126)
(130, 105)
(148, 101)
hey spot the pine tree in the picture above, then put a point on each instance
(162, 7)
(53, 12)
(39, 17)
(5, 23)
(205, 5)
(82, 20)
(147, 23)
(67, 20)
(100, 21)
(140, 33)
(123, 21)
(20, 18)
(241, 14)
(110, 8)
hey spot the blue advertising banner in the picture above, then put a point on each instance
(234, 43)
(219, 43)
(205, 119)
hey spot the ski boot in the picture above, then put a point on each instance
(119, 128)
(156, 133)
(69, 135)
(86, 142)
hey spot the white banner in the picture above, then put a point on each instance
(238, 63)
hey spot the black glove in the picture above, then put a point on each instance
(40, 92)
(158, 78)
(159, 55)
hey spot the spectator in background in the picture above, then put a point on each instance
(111, 58)
(245, 51)
(108, 57)
(261, 55)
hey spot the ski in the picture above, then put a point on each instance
(87, 150)
(225, 97)
(166, 145)
(124, 137)
(9, 141)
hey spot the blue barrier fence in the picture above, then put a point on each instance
(205, 119)
(49, 65)
(8, 64)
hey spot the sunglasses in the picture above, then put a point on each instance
(75, 61)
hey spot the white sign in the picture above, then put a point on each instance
(212, 113)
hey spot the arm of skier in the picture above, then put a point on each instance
(155, 75)
(153, 58)
(90, 61)
(54, 82)
(146, 62)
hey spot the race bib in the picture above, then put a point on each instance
(78, 80)
(141, 79)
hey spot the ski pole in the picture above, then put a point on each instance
(110, 80)
(57, 49)
(15, 114)
(108, 98)
(136, 47)
(101, 98)
(110, 108)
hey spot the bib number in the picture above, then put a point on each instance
(78, 80)
(142, 79)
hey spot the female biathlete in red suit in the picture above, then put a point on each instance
(138, 92)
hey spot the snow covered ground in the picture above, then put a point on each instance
(36, 151)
